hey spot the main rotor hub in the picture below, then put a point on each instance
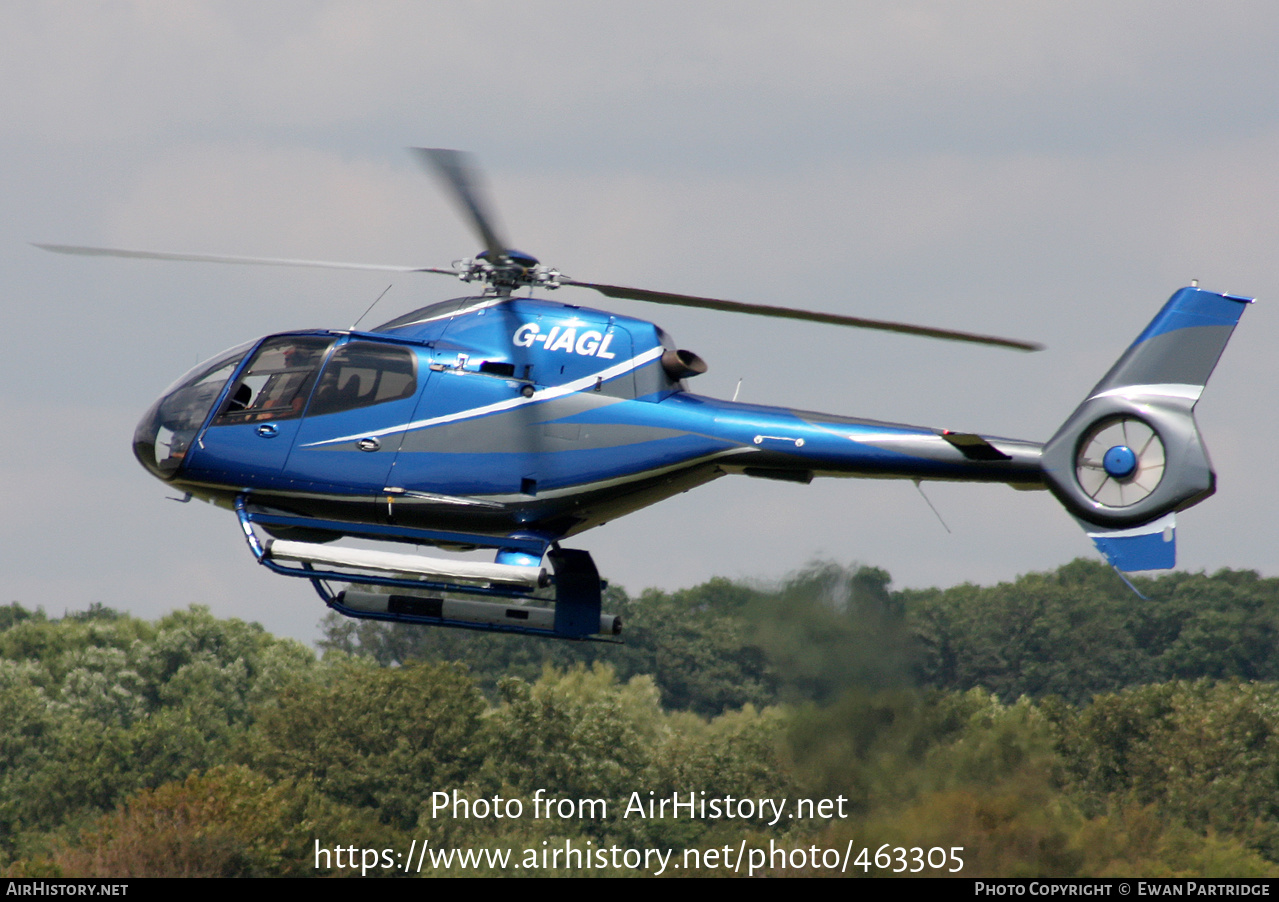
(514, 269)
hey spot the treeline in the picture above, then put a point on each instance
(1059, 725)
(1071, 633)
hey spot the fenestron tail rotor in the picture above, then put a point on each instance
(1120, 461)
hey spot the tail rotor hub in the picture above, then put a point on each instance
(1120, 462)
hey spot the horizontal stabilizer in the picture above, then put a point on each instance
(974, 447)
(1149, 547)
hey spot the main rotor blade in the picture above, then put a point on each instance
(454, 168)
(687, 300)
(221, 258)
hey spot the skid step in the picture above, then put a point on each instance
(394, 562)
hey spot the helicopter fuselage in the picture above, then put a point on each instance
(491, 417)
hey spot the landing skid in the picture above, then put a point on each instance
(425, 584)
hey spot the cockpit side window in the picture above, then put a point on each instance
(278, 381)
(361, 374)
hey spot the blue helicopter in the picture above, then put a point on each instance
(512, 423)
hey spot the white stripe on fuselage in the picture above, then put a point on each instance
(612, 482)
(546, 394)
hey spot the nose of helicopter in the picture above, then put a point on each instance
(171, 424)
(145, 436)
(166, 431)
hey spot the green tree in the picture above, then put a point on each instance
(699, 645)
(1206, 753)
(1064, 633)
(100, 704)
(577, 732)
(373, 737)
(694, 643)
(227, 822)
(1079, 631)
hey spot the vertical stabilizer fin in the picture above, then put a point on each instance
(1130, 455)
